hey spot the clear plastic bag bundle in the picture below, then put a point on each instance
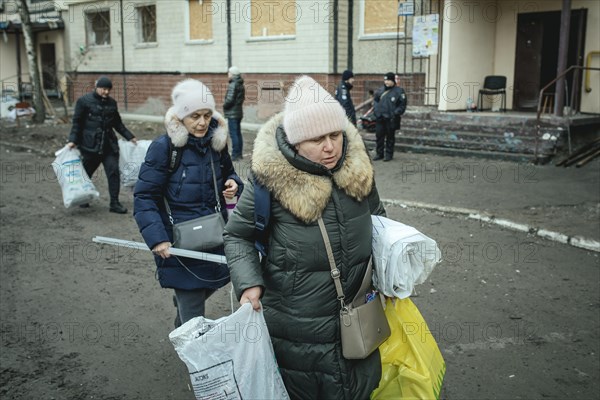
(77, 187)
(131, 157)
(231, 357)
(403, 257)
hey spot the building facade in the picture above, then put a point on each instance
(442, 49)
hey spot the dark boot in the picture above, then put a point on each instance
(117, 207)
(378, 157)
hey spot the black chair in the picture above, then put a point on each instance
(493, 85)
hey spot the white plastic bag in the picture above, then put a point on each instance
(402, 255)
(131, 157)
(77, 187)
(231, 357)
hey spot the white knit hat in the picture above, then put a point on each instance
(234, 70)
(310, 111)
(191, 95)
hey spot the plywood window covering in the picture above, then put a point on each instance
(273, 18)
(381, 16)
(201, 19)
(98, 28)
(147, 20)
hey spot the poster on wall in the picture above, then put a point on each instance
(425, 35)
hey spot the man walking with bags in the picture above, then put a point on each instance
(95, 119)
(389, 105)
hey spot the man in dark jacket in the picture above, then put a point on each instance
(342, 94)
(232, 107)
(389, 105)
(95, 116)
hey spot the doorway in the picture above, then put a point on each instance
(536, 60)
(48, 62)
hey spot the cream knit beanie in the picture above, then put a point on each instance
(191, 95)
(310, 111)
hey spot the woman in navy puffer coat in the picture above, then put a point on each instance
(193, 126)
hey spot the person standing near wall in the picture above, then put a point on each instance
(233, 110)
(342, 94)
(389, 105)
(95, 119)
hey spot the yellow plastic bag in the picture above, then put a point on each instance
(412, 365)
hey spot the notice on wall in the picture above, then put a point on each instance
(425, 35)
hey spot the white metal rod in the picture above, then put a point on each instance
(198, 255)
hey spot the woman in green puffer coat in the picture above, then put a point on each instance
(314, 164)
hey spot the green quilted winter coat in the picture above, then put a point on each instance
(299, 296)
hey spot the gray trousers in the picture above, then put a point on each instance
(190, 304)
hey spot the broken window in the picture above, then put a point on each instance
(146, 24)
(98, 28)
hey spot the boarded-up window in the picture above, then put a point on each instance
(381, 16)
(201, 12)
(273, 18)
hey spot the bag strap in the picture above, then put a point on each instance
(262, 213)
(335, 272)
(214, 177)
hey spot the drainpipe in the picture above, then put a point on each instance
(228, 11)
(563, 51)
(123, 57)
(335, 36)
(350, 34)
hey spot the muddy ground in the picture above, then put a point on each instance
(516, 316)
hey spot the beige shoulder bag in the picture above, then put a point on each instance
(363, 324)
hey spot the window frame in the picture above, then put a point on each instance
(88, 25)
(140, 25)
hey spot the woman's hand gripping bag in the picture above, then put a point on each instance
(231, 357)
(77, 187)
(412, 365)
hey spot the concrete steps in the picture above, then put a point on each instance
(495, 136)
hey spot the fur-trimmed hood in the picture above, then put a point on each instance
(179, 134)
(302, 193)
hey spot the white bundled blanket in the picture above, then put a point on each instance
(77, 187)
(402, 255)
(131, 157)
(231, 357)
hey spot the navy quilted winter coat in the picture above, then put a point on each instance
(191, 194)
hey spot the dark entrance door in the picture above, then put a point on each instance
(536, 58)
(48, 60)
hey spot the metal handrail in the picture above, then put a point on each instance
(539, 107)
